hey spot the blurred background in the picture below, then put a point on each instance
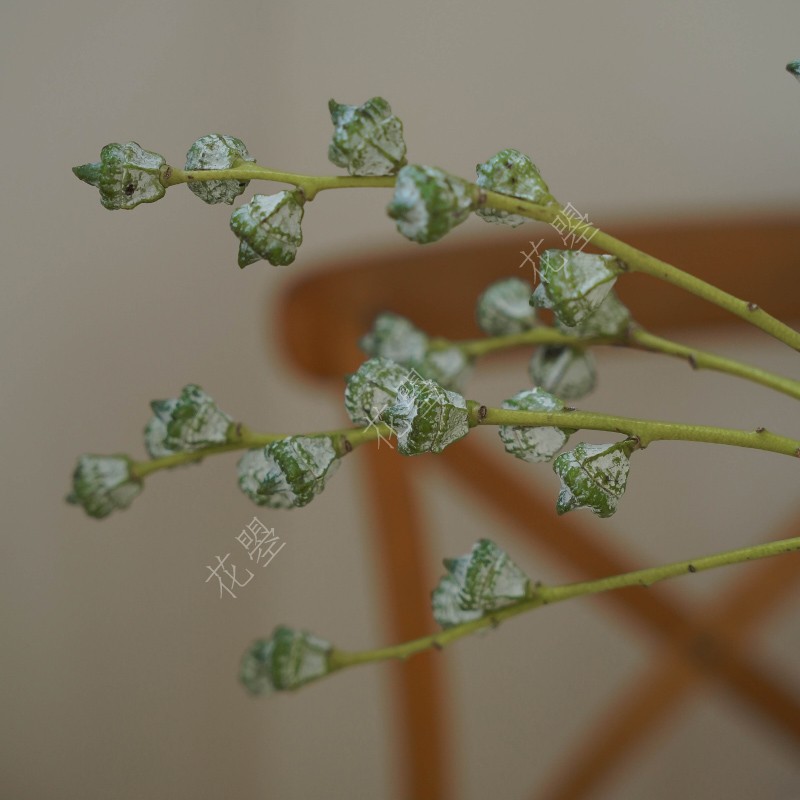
(119, 661)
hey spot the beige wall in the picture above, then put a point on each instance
(118, 661)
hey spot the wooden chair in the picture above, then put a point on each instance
(324, 315)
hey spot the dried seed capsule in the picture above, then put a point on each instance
(575, 283)
(793, 68)
(504, 308)
(288, 473)
(425, 417)
(429, 202)
(287, 660)
(534, 444)
(610, 318)
(484, 580)
(513, 173)
(268, 227)
(185, 424)
(593, 477)
(126, 175)
(103, 483)
(367, 139)
(215, 151)
(372, 389)
(563, 371)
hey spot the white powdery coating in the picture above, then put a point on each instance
(591, 469)
(155, 434)
(533, 444)
(504, 308)
(488, 584)
(105, 484)
(449, 426)
(396, 338)
(577, 282)
(570, 374)
(253, 468)
(611, 318)
(371, 161)
(449, 367)
(216, 151)
(314, 660)
(446, 604)
(373, 388)
(416, 219)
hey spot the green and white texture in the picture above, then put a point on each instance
(480, 582)
(534, 444)
(269, 228)
(367, 139)
(126, 176)
(288, 473)
(504, 308)
(102, 484)
(216, 151)
(566, 372)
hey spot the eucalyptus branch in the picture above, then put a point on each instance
(542, 595)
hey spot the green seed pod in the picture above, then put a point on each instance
(513, 173)
(288, 473)
(534, 444)
(126, 175)
(286, 661)
(504, 308)
(575, 283)
(793, 68)
(563, 371)
(611, 318)
(593, 477)
(215, 151)
(372, 389)
(367, 139)
(482, 581)
(425, 417)
(185, 424)
(429, 202)
(103, 483)
(396, 338)
(268, 227)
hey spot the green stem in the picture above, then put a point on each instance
(546, 595)
(308, 184)
(638, 261)
(643, 430)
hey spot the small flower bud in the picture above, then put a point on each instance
(268, 227)
(367, 139)
(425, 417)
(793, 68)
(593, 477)
(575, 283)
(563, 371)
(286, 661)
(126, 175)
(215, 151)
(504, 308)
(288, 473)
(534, 444)
(513, 173)
(610, 318)
(372, 389)
(429, 202)
(185, 424)
(103, 483)
(484, 580)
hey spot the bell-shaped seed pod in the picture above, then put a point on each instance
(429, 202)
(288, 473)
(185, 424)
(593, 477)
(102, 484)
(575, 283)
(396, 338)
(504, 308)
(482, 581)
(215, 151)
(611, 318)
(563, 371)
(268, 227)
(287, 660)
(373, 388)
(126, 175)
(425, 417)
(448, 367)
(367, 139)
(793, 68)
(513, 173)
(534, 444)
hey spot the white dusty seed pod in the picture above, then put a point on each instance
(216, 151)
(529, 443)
